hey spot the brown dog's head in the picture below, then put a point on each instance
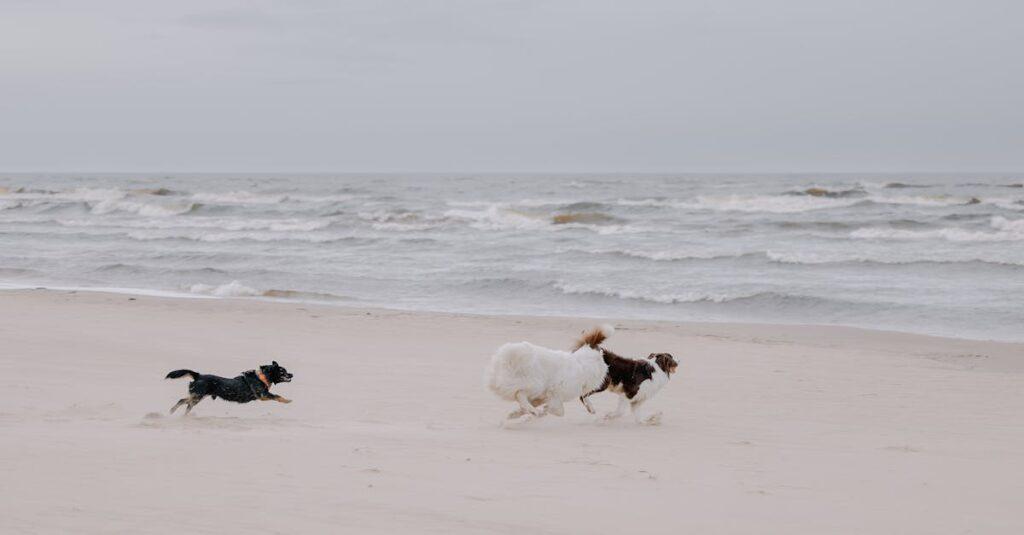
(665, 362)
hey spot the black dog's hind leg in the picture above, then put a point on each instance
(180, 402)
(192, 401)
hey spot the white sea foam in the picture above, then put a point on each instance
(241, 197)
(231, 289)
(503, 217)
(818, 258)
(220, 223)
(87, 194)
(667, 298)
(219, 237)
(660, 256)
(69, 195)
(1009, 204)
(776, 204)
(499, 217)
(401, 221)
(404, 227)
(1006, 230)
(1015, 226)
(142, 208)
(924, 200)
(319, 199)
(658, 203)
(801, 258)
(237, 197)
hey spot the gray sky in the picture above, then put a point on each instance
(512, 85)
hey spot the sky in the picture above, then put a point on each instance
(512, 86)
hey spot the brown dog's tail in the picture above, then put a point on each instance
(595, 336)
(182, 373)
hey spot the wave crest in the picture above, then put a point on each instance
(1005, 230)
(237, 289)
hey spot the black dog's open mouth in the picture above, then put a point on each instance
(286, 379)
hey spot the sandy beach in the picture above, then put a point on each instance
(767, 429)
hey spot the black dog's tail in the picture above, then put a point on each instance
(182, 373)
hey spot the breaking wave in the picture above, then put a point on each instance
(776, 204)
(1004, 230)
(833, 193)
(505, 217)
(142, 208)
(220, 237)
(653, 297)
(768, 299)
(237, 289)
(801, 257)
(660, 256)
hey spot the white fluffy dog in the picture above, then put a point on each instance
(535, 376)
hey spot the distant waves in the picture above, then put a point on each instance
(930, 254)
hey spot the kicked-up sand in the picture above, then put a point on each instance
(765, 429)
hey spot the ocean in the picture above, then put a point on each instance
(930, 254)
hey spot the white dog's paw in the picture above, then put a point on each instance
(514, 414)
(654, 419)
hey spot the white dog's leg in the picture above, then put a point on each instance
(555, 407)
(620, 410)
(524, 404)
(652, 419)
(515, 414)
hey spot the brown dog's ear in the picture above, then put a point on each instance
(665, 362)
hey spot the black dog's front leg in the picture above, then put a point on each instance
(274, 397)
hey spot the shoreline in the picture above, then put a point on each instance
(765, 428)
(170, 294)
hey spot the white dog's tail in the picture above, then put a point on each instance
(595, 336)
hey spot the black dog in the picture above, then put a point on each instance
(250, 386)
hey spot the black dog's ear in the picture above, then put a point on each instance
(275, 363)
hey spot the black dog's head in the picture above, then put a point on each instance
(665, 362)
(276, 373)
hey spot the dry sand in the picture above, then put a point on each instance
(767, 429)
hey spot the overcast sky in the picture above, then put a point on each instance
(511, 85)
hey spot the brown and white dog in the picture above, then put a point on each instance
(635, 380)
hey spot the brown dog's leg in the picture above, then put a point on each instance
(586, 402)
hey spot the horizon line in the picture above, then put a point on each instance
(503, 173)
